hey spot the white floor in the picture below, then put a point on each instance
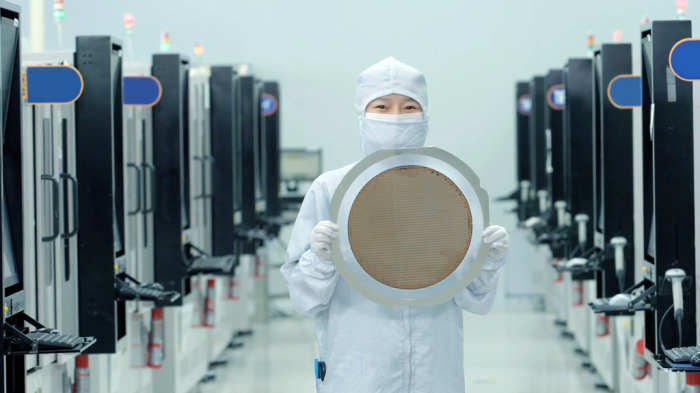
(505, 351)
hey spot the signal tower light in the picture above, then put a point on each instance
(129, 20)
(165, 41)
(682, 7)
(617, 35)
(59, 11)
(198, 49)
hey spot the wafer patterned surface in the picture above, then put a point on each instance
(410, 227)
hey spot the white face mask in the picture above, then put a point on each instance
(383, 132)
(410, 118)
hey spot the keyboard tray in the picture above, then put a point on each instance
(212, 265)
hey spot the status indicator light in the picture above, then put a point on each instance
(129, 20)
(681, 6)
(198, 49)
(165, 41)
(59, 11)
(617, 35)
(591, 44)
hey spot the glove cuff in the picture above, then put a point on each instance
(322, 265)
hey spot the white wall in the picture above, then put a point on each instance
(472, 53)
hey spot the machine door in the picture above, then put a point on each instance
(202, 163)
(67, 243)
(48, 225)
(139, 192)
(56, 220)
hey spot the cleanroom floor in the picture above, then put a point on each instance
(506, 351)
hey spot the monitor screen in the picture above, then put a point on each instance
(8, 44)
(9, 41)
(9, 264)
(300, 165)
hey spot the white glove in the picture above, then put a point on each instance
(321, 238)
(499, 240)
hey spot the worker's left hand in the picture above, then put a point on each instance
(499, 240)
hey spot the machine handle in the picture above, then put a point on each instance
(74, 183)
(56, 225)
(211, 160)
(138, 189)
(151, 169)
(204, 192)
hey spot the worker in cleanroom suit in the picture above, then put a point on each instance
(367, 347)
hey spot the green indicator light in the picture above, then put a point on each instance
(165, 46)
(59, 14)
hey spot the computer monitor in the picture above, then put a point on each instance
(12, 156)
(8, 36)
(300, 164)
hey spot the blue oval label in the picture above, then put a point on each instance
(625, 91)
(268, 104)
(52, 85)
(142, 90)
(525, 105)
(685, 59)
(556, 97)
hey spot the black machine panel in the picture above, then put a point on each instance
(554, 125)
(669, 197)
(223, 147)
(554, 145)
(578, 141)
(100, 165)
(538, 143)
(522, 91)
(522, 148)
(270, 135)
(247, 129)
(170, 142)
(614, 179)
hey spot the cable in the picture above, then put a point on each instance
(661, 324)
(680, 333)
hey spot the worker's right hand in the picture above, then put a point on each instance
(321, 238)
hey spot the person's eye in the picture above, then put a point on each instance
(381, 107)
(410, 108)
